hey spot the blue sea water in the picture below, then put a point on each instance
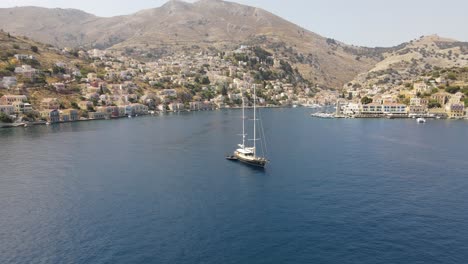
(158, 190)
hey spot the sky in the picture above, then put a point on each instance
(369, 23)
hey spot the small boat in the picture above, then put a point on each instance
(323, 115)
(231, 157)
(421, 120)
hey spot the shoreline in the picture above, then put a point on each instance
(151, 113)
(155, 113)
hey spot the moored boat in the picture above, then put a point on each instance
(248, 155)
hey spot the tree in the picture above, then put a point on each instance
(5, 118)
(56, 70)
(205, 80)
(366, 100)
(452, 89)
(434, 104)
(34, 49)
(465, 91)
(10, 68)
(74, 105)
(224, 90)
(84, 113)
(452, 76)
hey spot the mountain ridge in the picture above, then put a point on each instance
(179, 26)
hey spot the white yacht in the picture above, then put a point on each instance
(246, 154)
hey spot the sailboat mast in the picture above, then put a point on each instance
(243, 122)
(255, 122)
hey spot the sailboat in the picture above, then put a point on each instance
(244, 153)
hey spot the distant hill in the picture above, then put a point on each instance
(180, 26)
(413, 59)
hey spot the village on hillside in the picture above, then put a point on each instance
(440, 93)
(43, 84)
(99, 84)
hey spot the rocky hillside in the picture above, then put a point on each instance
(414, 59)
(180, 26)
(49, 63)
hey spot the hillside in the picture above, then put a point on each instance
(44, 62)
(53, 78)
(412, 60)
(191, 27)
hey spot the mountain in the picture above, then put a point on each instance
(413, 59)
(181, 26)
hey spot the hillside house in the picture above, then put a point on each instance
(50, 103)
(10, 99)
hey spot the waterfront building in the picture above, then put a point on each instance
(21, 107)
(351, 109)
(52, 116)
(105, 109)
(98, 115)
(121, 110)
(394, 109)
(7, 109)
(176, 107)
(195, 106)
(69, 115)
(417, 110)
(438, 112)
(139, 109)
(372, 109)
(455, 111)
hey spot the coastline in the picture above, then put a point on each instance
(151, 113)
(154, 113)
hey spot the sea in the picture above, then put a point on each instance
(158, 189)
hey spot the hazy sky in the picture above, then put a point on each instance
(359, 22)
